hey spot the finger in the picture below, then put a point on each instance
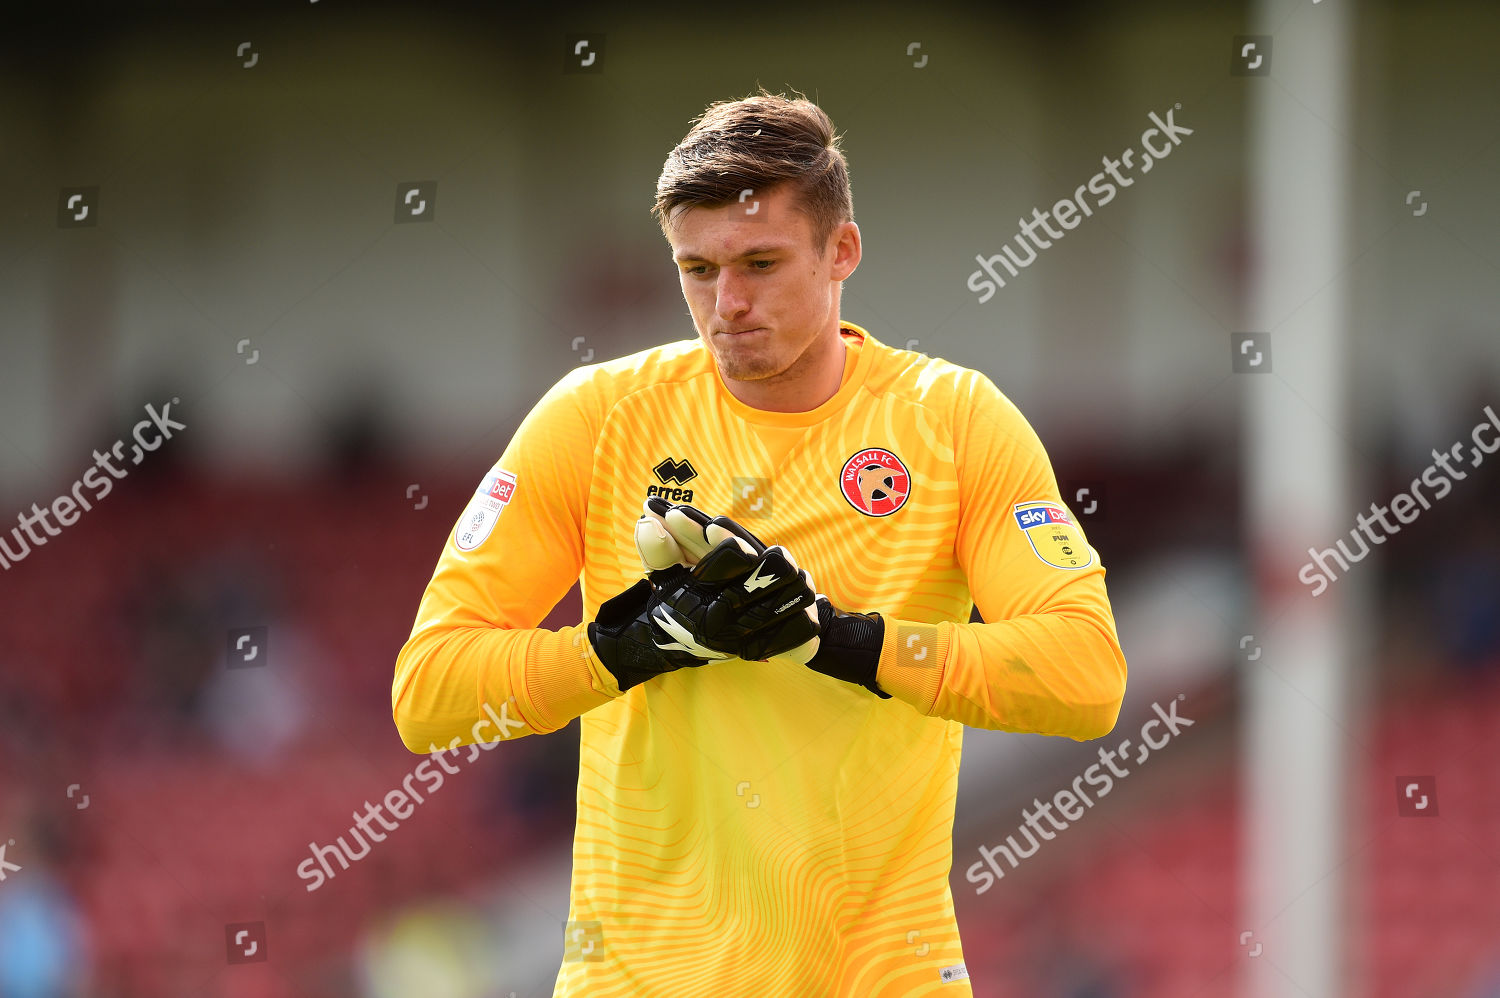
(686, 524)
(691, 512)
(738, 530)
(655, 544)
(727, 563)
(785, 554)
(773, 570)
(658, 548)
(717, 535)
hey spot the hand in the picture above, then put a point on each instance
(849, 646)
(744, 598)
(638, 638)
(846, 645)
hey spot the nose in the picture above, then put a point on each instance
(732, 300)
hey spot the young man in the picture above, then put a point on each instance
(766, 827)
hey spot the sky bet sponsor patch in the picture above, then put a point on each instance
(494, 492)
(1053, 535)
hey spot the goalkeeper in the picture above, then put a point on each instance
(780, 529)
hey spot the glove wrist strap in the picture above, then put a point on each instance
(849, 646)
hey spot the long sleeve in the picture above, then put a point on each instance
(1047, 658)
(475, 661)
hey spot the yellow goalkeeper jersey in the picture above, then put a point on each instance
(757, 828)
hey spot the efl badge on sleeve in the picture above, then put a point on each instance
(1053, 535)
(489, 501)
(875, 482)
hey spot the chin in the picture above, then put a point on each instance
(747, 372)
(745, 361)
(741, 368)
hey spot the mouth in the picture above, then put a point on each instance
(742, 332)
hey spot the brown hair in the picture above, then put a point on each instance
(758, 143)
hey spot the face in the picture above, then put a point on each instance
(761, 296)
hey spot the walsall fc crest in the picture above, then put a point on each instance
(875, 482)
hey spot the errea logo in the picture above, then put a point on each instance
(671, 471)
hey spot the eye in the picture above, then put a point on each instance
(757, 264)
(693, 270)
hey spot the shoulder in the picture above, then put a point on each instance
(597, 388)
(931, 381)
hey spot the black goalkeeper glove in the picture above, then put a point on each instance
(637, 638)
(745, 599)
(730, 599)
(849, 646)
(845, 646)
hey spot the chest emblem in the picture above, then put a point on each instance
(875, 482)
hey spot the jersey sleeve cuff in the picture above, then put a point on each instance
(564, 678)
(912, 656)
